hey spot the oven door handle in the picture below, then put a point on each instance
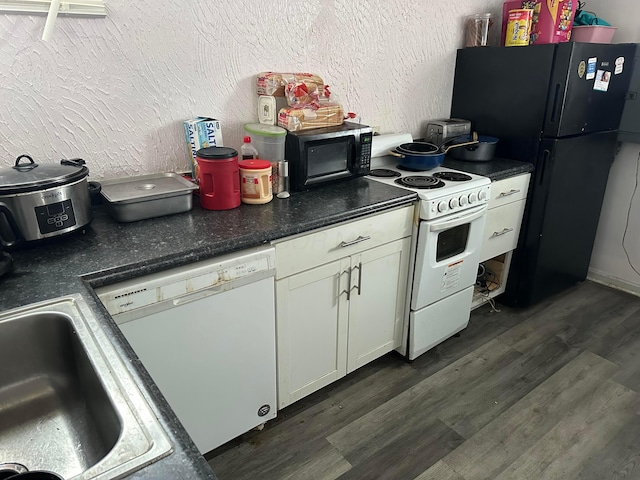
(467, 217)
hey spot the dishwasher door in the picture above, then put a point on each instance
(211, 352)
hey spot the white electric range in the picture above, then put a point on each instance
(453, 207)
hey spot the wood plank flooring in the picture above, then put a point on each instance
(547, 392)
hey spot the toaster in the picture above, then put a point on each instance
(439, 131)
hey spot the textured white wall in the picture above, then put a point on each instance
(116, 90)
(609, 259)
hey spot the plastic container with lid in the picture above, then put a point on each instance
(267, 139)
(255, 181)
(219, 178)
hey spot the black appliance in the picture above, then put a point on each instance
(557, 106)
(324, 155)
(6, 263)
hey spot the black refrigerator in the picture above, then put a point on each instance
(557, 106)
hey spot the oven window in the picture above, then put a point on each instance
(328, 157)
(452, 242)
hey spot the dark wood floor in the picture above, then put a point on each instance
(548, 392)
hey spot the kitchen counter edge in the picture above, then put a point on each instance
(87, 251)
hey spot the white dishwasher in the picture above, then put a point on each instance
(206, 334)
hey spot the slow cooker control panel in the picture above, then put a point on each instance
(55, 216)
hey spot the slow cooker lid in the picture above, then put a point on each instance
(28, 176)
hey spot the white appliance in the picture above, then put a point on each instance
(206, 334)
(453, 207)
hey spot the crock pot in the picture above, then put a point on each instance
(42, 201)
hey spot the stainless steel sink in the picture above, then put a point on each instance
(67, 402)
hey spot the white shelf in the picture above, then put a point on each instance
(90, 8)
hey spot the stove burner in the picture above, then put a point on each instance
(384, 173)
(452, 176)
(421, 182)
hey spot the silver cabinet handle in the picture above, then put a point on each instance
(348, 290)
(353, 242)
(506, 230)
(358, 287)
(510, 192)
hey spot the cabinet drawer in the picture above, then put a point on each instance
(502, 229)
(306, 251)
(509, 190)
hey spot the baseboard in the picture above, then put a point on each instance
(615, 282)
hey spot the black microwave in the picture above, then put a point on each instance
(323, 155)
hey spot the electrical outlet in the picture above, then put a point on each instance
(376, 130)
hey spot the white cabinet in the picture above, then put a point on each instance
(311, 325)
(377, 299)
(502, 229)
(340, 299)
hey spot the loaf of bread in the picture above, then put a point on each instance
(296, 119)
(273, 83)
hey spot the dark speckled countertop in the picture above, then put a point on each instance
(107, 252)
(495, 169)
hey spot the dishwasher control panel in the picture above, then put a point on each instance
(180, 284)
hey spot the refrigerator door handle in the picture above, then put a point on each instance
(546, 154)
(556, 100)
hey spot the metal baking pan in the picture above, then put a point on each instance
(147, 196)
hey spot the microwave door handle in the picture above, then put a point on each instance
(468, 217)
(354, 154)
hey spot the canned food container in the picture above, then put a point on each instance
(518, 27)
(147, 196)
(218, 174)
(255, 181)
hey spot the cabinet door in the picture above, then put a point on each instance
(311, 318)
(378, 298)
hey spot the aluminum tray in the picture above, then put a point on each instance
(147, 196)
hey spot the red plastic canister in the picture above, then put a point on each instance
(219, 178)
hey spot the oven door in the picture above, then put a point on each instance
(447, 256)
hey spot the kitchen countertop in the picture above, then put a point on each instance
(106, 252)
(496, 169)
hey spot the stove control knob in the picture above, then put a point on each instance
(463, 200)
(482, 195)
(443, 206)
(453, 203)
(473, 197)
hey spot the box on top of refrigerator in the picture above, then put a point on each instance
(552, 19)
(201, 132)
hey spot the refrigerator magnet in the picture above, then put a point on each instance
(602, 80)
(591, 68)
(619, 66)
(582, 67)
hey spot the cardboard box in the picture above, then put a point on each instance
(201, 132)
(552, 19)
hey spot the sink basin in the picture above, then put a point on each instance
(67, 402)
